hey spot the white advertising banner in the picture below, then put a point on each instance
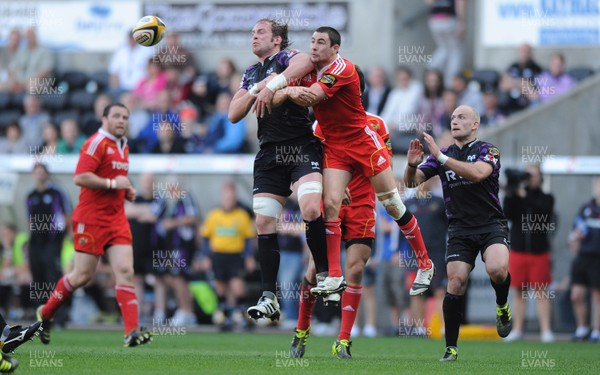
(94, 26)
(540, 22)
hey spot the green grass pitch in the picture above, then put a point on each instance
(100, 352)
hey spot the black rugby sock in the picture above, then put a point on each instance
(452, 308)
(317, 243)
(268, 257)
(502, 290)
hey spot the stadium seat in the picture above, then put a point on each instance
(487, 78)
(101, 78)
(54, 103)
(75, 79)
(580, 73)
(81, 100)
(4, 100)
(16, 100)
(9, 116)
(62, 115)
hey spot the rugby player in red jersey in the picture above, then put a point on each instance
(334, 93)
(100, 224)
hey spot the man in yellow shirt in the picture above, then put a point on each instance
(227, 233)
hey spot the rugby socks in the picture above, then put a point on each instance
(453, 315)
(268, 257)
(317, 243)
(307, 302)
(350, 302)
(502, 290)
(128, 304)
(62, 292)
(411, 230)
(333, 234)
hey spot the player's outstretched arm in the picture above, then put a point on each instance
(413, 177)
(475, 172)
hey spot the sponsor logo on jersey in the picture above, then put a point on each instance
(328, 80)
(381, 160)
(110, 151)
(120, 165)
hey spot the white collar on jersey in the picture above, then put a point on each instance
(320, 72)
(472, 142)
(120, 145)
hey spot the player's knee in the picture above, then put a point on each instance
(497, 272)
(392, 203)
(457, 284)
(266, 206)
(331, 206)
(124, 273)
(309, 199)
(577, 296)
(267, 211)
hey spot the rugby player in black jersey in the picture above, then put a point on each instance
(469, 171)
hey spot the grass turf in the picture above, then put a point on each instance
(181, 352)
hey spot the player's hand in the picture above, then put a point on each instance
(415, 152)
(130, 194)
(347, 201)
(262, 104)
(433, 147)
(122, 182)
(302, 95)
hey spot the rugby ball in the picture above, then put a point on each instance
(149, 31)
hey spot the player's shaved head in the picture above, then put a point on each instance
(471, 111)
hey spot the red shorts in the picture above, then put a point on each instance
(367, 154)
(93, 239)
(357, 222)
(529, 271)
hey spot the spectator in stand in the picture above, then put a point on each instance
(206, 88)
(401, 108)
(92, 125)
(50, 138)
(191, 130)
(447, 25)
(450, 101)
(169, 141)
(518, 81)
(172, 55)
(555, 81)
(33, 121)
(13, 142)
(30, 65)
(223, 136)
(525, 67)
(138, 116)
(492, 116)
(71, 140)
(179, 91)
(378, 89)
(585, 244)
(128, 66)
(154, 82)
(164, 112)
(7, 55)
(431, 104)
(468, 94)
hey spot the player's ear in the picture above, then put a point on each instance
(277, 39)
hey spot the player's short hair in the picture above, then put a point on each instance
(361, 78)
(109, 107)
(278, 29)
(334, 35)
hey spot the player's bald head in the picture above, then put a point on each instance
(472, 112)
